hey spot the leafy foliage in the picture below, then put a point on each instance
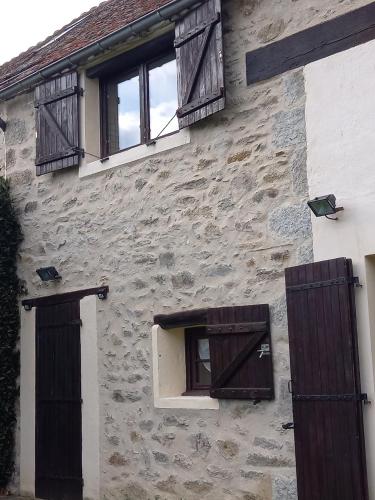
(10, 238)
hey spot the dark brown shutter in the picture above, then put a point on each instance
(326, 387)
(200, 65)
(57, 124)
(237, 337)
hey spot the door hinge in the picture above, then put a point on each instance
(330, 397)
(320, 284)
(76, 322)
(289, 426)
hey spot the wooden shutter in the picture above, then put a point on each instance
(326, 388)
(200, 66)
(237, 337)
(57, 124)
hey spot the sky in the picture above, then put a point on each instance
(27, 22)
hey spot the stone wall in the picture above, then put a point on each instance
(213, 223)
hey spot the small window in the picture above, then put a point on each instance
(198, 361)
(139, 106)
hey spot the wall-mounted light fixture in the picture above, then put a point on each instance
(324, 206)
(48, 274)
(3, 125)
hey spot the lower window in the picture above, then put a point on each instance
(198, 362)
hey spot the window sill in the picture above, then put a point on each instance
(188, 402)
(137, 153)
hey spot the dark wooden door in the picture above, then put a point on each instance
(327, 405)
(58, 457)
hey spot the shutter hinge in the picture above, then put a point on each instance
(80, 152)
(79, 90)
(320, 284)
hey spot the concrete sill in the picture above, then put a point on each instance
(138, 153)
(188, 402)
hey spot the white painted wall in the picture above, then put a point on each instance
(90, 399)
(340, 122)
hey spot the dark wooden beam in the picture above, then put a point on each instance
(312, 44)
(65, 297)
(133, 58)
(182, 319)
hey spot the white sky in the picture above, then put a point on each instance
(27, 22)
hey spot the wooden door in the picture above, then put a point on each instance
(58, 458)
(327, 400)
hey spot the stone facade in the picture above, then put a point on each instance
(212, 223)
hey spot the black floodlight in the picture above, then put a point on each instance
(323, 206)
(3, 125)
(48, 274)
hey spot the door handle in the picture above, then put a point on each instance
(289, 426)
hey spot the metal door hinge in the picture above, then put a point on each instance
(320, 284)
(289, 426)
(76, 322)
(330, 397)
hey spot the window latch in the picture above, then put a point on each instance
(264, 350)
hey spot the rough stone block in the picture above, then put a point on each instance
(284, 488)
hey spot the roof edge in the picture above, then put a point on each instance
(164, 13)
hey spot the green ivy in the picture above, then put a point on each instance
(10, 238)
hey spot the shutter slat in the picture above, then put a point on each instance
(57, 124)
(200, 68)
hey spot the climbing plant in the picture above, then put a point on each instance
(10, 238)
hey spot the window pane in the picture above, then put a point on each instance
(204, 353)
(163, 97)
(129, 122)
(204, 373)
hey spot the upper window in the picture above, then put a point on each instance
(139, 106)
(145, 93)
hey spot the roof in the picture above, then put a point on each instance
(99, 22)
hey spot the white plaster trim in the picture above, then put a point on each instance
(90, 398)
(137, 153)
(340, 110)
(169, 372)
(27, 404)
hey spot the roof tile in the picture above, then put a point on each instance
(91, 26)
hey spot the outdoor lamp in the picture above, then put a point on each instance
(3, 125)
(48, 274)
(323, 206)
